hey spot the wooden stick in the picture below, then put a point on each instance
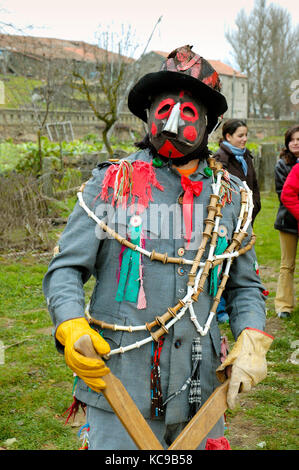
(122, 404)
(134, 422)
(204, 420)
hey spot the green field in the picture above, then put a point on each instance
(36, 386)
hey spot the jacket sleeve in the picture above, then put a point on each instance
(244, 294)
(281, 174)
(290, 192)
(221, 157)
(256, 195)
(74, 264)
(244, 291)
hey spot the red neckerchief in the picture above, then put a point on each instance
(190, 188)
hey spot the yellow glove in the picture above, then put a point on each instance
(248, 361)
(88, 369)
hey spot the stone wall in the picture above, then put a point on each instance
(259, 129)
(21, 125)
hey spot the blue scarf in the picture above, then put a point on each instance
(239, 154)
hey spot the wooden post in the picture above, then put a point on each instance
(267, 165)
(46, 177)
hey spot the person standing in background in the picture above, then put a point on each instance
(290, 192)
(287, 225)
(237, 159)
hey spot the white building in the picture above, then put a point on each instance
(234, 88)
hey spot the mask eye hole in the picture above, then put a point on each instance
(164, 108)
(189, 112)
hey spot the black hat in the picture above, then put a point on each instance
(187, 70)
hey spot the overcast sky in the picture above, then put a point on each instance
(198, 23)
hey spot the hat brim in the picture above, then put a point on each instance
(151, 84)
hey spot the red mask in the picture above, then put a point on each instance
(176, 123)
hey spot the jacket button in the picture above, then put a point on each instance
(222, 231)
(181, 251)
(178, 344)
(181, 271)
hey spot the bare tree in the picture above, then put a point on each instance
(264, 47)
(281, 58)
(242, 43)
(101, 84)
(46, 98)
(107, 84)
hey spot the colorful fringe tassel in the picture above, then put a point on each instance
(157, 408)
(130, 181)
(74, 408)
(226, 189)
(83, 436)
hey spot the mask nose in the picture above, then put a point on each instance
(171, 126)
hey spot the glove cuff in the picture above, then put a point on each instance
(259, 331)
(250, 341)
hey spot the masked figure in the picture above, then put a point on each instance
(165, 232)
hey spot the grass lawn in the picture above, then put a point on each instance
(36, 386)
(267, 417)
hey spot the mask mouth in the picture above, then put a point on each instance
(201, 153)
(173, 138)
(170, 135)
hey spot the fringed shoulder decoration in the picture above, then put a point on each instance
(226, 189)
(130, 181)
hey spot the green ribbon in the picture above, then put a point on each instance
(129, 282)
(157, 162)
(207, 171)
(220, 247)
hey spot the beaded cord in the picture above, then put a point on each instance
(199, 271)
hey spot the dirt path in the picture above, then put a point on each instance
(243, 432)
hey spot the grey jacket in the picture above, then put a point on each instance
(82, 253)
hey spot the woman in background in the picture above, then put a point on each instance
(290, 192)
(237, 159)
(288, 227)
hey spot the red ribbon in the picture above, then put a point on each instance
(190, 188)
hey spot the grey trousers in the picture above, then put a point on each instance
(107, 433)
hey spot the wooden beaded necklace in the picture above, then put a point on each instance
(199, 270)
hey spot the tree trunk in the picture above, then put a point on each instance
(40, 158)
(106, 140)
